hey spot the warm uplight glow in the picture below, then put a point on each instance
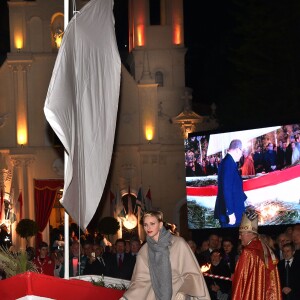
(18, 41)
(130, 221)
(177, 37)
(7, 223)
(177, 23)
(187, 128)
(58, 38)
(22, 136)
(149, 134)
(205, 268)
(140, 35)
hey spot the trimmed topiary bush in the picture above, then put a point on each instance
(108, 226)
(27, 228)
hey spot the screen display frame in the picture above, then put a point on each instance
(283, 180)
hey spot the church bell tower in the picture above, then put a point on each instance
(156, 42)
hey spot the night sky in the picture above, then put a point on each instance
(242, 55)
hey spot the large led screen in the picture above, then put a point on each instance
(272, 185)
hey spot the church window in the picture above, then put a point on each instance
(159, 78)
(154, 6)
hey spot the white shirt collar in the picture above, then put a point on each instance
(290, 260)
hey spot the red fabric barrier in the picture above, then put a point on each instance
(56, 288)
(269, 179)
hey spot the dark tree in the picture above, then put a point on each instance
(266, 64)
(108, 226)
(27, 228)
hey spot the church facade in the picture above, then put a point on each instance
(153, 115)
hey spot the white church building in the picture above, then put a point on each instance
(154, 114)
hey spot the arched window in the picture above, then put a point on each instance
(154, 6)
(36, 34)
(159, 78)
(57, 29)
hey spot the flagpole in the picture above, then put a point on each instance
(66, 235)
(141, 209)
(66, 13)
(66, 218)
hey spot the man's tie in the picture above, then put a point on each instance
(287, 273)
(120, 262)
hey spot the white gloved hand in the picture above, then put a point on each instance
(247, 202)
(232, 219)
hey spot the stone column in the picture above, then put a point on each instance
(23, 179)
(20, 64)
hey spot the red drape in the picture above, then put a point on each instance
(20, 200)
(45, 192)
(1, 202)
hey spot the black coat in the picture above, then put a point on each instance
(204, 257)
(127, 267)
(294, 278)
(225, 285)
(230, 260)
(98, 267)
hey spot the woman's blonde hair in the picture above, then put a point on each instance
(154, 213)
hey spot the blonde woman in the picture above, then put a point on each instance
(166, 268)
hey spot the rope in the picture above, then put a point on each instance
(217, 276)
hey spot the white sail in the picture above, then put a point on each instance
(220, 142)
(81, 105)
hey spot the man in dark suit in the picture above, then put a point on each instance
(95, 264)
(211, 167)
(258, 160)
(213, 244)
(230, 205)
(120, 264)
(282, 154)
(288, 269)
(270, 159)
(218, 288)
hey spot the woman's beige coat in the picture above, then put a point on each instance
(187, 278)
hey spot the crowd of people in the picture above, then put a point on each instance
(164, 257)
(264, 158)
(225, 259)
(223, 253)
(90, 256)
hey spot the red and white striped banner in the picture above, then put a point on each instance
(266, 180)
(280, 185)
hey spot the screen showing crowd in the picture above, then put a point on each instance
(269, 167)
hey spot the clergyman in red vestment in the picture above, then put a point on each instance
(248, 165)
(256, 276)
